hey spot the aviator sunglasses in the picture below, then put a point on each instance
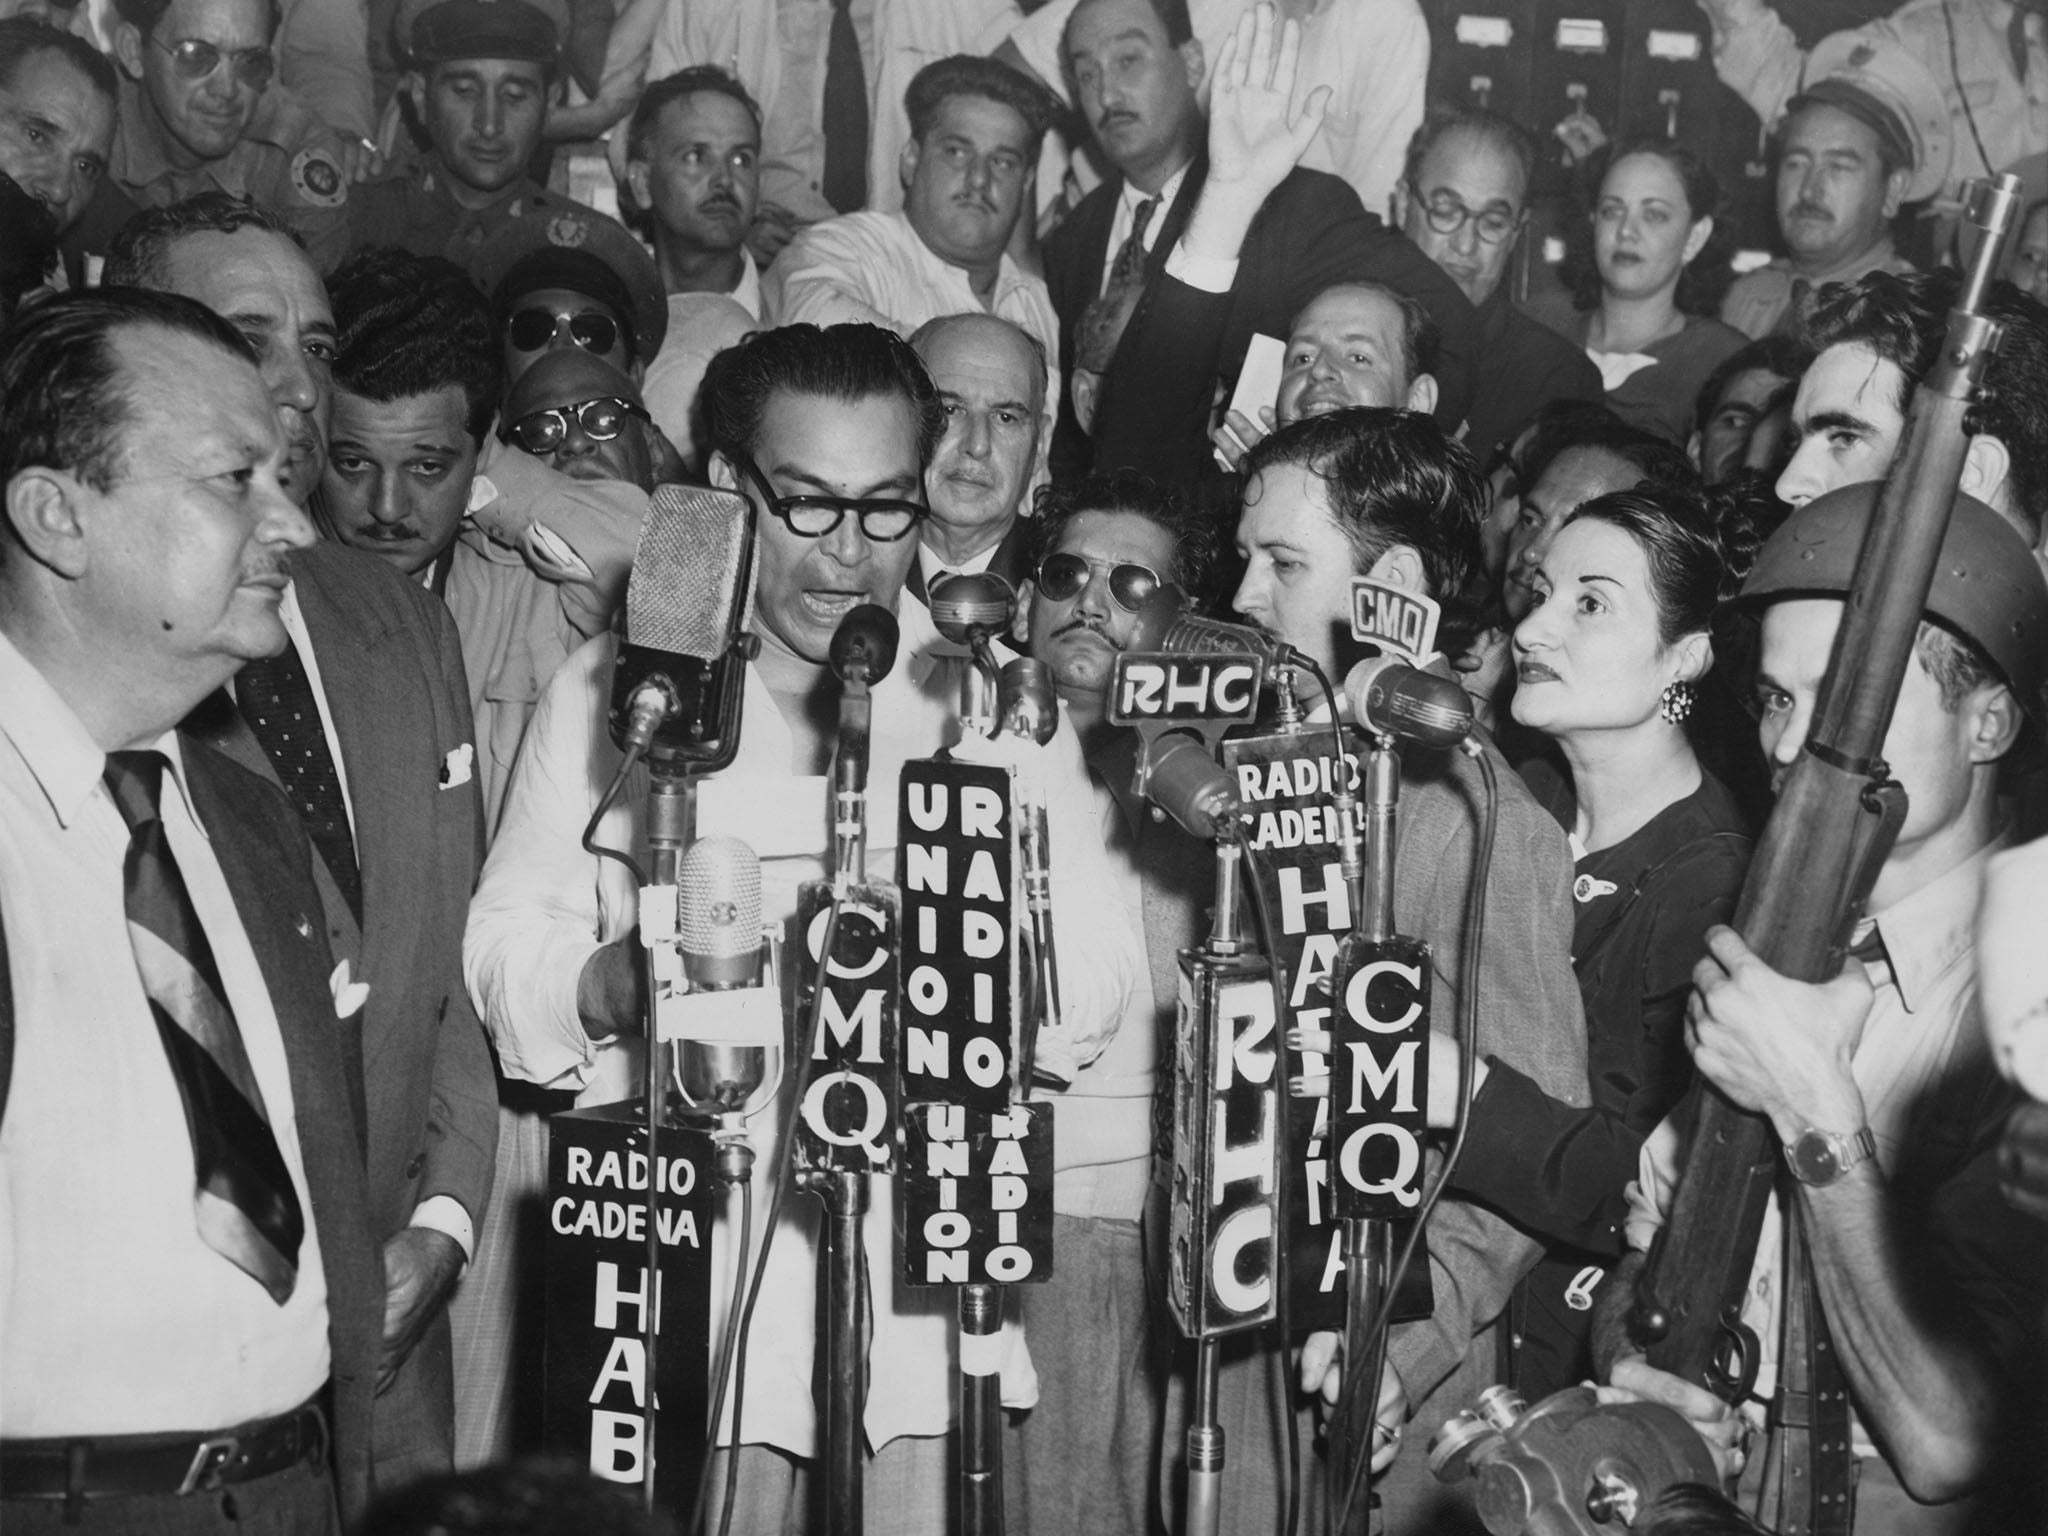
(1061, 577)
(194, 58)
(532, 329)
(601, 420)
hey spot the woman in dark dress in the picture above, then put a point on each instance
(1608, 662)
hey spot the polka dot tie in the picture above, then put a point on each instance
(276, 698)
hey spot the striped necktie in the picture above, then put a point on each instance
(244, 1204)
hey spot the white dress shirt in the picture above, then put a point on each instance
(544, 906)
(115, 1317)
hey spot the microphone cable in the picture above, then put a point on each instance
(1468, 1047)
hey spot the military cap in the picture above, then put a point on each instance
(1881, 85)
(440, 31)
(554, 242)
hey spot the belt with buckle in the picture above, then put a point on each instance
(113, 1466)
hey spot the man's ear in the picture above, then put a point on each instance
(1401, 565)
(1995, 722)
(128, 45)
(1397, 202)
(1422, 393)
(721, 472)
(1895, 192)
(42, 508)
(1191, 57)
(416, 89)
(1693, 448)
(1697, 237)
(906, 163)
(636, 182)
(1987, 473)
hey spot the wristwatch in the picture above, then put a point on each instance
(1819, 1158)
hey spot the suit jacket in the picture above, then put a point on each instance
(1527, 365)
(391, 668)
(1154, 408)
(264, 854)
(1008, 560)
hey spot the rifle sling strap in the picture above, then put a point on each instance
(1813, 1460)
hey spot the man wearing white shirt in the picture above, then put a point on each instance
(693, 165)
(848, 416)
(192, 1263)
(967, 173)
(383, 774)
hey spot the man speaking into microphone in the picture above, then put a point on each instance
(805, 423)
(1384, 493)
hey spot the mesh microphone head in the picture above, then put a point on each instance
(1192, 636)
(687, 593)
(719, 912)
(969, 604)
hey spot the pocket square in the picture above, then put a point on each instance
(458, 766)
(349, 996)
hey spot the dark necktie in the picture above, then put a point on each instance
(245, 1206)
(845, 118)
(1128, 269)
(276, 698)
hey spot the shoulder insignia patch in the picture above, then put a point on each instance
(567, 230)
(317, 178)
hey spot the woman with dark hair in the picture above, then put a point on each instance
(1648, 294)
(1608, 662)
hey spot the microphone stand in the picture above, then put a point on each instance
(845, 1191)
(1205, 1439)
(671, 827)
(1368, 1241)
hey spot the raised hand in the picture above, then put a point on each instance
(1252, 140)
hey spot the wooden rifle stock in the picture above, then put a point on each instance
(1826, 839)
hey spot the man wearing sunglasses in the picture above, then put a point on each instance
(200, 112)
(584, 418)
(1464, 200)
(826, 433)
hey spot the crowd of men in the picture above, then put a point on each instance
(331, 410)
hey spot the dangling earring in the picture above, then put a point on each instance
(1675, 703)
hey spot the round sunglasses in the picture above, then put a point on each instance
(193, 58)
(601, 420)
(532, 329)
(1061, 578)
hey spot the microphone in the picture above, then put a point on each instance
(678, 682)
(1179, 776)
(1029, 710)
(1391, 698)
(971, 608)
(1026, 701)
(722, 1057)
(863, 650)
(1163, 625)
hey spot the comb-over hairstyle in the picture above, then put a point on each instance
(140, 254)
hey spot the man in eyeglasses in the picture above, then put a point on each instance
(579, 414)
(1849, 157)
(200, 112)
(992, 379)
(827, 434)
(1464, 200)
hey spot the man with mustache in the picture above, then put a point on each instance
(1086, 1457)
(968, 173)
(693, 168)
(992, 378)
(200, 112)
(1227, 235)
(1850, 153)
(364, 719)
